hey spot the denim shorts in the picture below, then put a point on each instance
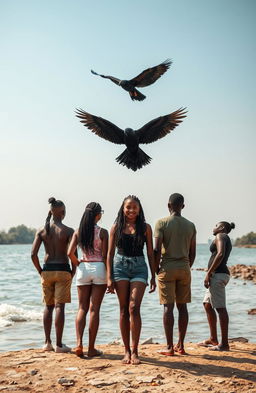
(130, 269)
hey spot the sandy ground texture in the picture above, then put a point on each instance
(201, 370)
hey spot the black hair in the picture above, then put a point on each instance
(86, 227)
(54, 203)
(176, 199)
(228, 226)
(140, 224)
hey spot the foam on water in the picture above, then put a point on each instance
(10, 314)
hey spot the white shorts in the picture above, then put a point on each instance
(91, 273)
(216, 294)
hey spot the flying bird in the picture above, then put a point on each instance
(132, 157)
(145, 78)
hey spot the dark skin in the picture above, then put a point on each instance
(56, 246)
(168, 318)
(130, 295)
(89, 296)
(219, 232)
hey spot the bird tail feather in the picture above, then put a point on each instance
(136, 95)
(133, 161)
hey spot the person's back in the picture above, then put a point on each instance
(56, 242)
(56, 275)
(177, 233)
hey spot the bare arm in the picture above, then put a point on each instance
(157, 253)
(72, 251)
(104, 240)
(192, 251)
(110, 256)
(220, 245)
(34, 252)
(150, 254)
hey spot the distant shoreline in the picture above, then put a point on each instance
(246, 246)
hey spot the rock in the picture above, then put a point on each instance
(145, 379)
(252, 311)
(33, 372)
(147, 341)
(238, 339)
(66, 382)
(101, 382)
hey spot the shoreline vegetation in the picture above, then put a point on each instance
(21, 234)
(199, 370)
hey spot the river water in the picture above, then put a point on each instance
(21, 304)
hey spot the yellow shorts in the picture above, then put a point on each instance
(174, 285)
(56, 287)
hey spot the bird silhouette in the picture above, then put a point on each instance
(145, 78)
(132, 157)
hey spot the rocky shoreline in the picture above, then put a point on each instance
(200, 370)
(245, 272)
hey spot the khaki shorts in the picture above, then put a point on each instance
(56, 287)
(174, 285)
(216, 294)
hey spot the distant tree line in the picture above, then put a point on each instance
(249, 239)
(18, 235)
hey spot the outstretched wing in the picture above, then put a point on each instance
(160, 126)
(112, 78)
(150, 75)
(101, 127)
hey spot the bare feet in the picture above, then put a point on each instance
(127, 358)
(207, 343)
(220, 348)
(135, 359)
(94, 352)
(166, 351)
(79, 351)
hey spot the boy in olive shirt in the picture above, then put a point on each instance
(175, 251)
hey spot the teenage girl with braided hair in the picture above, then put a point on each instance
(91, 274)
(215, 281)
(56, 275)
(127, 271)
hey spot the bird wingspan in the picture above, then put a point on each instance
(150, 75)
(101, 127)
(161, 126)
(112, 78)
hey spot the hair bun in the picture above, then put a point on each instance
(51, 200)
(232, 225)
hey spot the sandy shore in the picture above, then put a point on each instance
(201, 370)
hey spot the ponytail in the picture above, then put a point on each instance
(54, 203)
(86, 227)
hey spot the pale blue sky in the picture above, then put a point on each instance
(47, 51)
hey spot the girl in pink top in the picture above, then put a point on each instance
(91, 274)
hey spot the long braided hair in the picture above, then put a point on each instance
(54, 203)
(86, 227)
(140, 224)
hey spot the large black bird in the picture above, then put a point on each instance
(132, 157)
(145, 78)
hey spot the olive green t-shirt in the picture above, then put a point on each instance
(176, 233)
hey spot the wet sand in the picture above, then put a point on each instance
(201, 370)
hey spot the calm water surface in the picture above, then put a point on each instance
(21, 304)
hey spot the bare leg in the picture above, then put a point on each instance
(47, 321)
(84, 293)
(168, 321)
(137, 290)
(224, 320)
(212, 321)
(182, 323)
(123, 293)
(59, 322)
(97, 294)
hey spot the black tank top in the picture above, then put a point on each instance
(222, 268)
(129, 246)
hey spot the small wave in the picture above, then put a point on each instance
(10, 314)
